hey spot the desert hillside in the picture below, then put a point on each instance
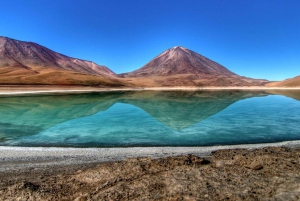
(30, 63)
(27, 54)
(293, 82)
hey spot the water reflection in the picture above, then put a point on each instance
(23, 116)
(180, 110)
(30, 115)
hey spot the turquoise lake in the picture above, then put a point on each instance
(150, 118)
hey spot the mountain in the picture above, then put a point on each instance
(293, 82)
(30, 63)
(179, 66)
(179, 60)
(19, 53)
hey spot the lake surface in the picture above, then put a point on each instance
(150, 118)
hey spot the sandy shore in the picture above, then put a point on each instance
(16, 158)
(23, 90)
(239, 172)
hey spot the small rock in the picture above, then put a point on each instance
(31, 186)
(256, 166)
(219, 163)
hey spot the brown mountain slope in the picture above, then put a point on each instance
(179, 66)
(293, 82)
(30, 63)
(27, 54)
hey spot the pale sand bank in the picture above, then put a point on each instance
(15, 158)
(26, 90)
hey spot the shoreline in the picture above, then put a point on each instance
(240, 172)
(27, 90)
(20, 158)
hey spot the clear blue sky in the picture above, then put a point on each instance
(254, 38)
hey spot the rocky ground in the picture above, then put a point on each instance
(263, 174)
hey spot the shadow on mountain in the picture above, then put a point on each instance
(23, 116)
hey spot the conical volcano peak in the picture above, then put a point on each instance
(178, 47)
(178, 61)
(178, 50)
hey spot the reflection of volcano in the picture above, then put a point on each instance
(180, 110)
(21, 116)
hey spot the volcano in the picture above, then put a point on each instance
(179, 66)
(179, 60)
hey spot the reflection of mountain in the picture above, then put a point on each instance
(295, 94)
(180, 110)
(20, 116)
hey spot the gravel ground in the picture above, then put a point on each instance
(242, 172)
(15, 158)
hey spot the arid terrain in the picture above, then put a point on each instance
(271, 173)
(292, 82)
(28, 63)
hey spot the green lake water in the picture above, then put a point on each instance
(149, 118)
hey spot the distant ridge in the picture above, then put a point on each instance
(26, 54)
(292, 82)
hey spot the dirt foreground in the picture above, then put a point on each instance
(270, 173)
